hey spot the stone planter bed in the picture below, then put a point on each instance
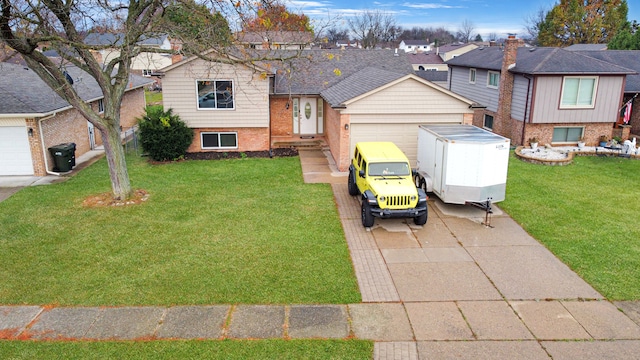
(563, 155)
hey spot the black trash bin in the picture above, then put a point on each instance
(64, 156)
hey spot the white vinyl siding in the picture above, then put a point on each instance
(250, 92)
(578, 92)
(408, 97)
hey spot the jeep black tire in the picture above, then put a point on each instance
(367, 218)
(353, 188)
(422, 219)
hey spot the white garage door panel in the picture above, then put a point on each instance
(405, 136)
(15, 155)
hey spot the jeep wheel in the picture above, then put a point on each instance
(422, 219)
(367, 218)
(353, 188)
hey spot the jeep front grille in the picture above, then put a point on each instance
(398, 200)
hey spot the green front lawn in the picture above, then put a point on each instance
(228, 349)
(231, 231)
(587, 214)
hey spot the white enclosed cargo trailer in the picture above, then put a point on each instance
(462, 164)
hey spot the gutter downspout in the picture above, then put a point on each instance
(44, 150)
(526, 109)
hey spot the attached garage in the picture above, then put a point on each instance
(15, 154)
(393, 112)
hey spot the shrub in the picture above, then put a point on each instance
(163, 135)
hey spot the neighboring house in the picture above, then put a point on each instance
(586, 47)
(347, 44)
(284, 40)
(553, 94)
(146, 63)
(33, 118)
(450, 51)
(629, 59)
(339, 96)
(414, 45)
(436, 77)
(428, 61)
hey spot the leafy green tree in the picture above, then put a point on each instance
(628, 38)
(195, 26)
(582, 22)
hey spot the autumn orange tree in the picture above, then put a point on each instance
(582, 22)
(274, 16)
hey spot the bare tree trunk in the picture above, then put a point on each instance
(120, 184)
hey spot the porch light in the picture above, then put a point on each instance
(346, 126)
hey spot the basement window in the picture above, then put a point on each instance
(219, 140)
(568, 134)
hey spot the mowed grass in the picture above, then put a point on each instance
(587, 214)
(231, 231)
(227, 349)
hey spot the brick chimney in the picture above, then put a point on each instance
(176, 56)
(505, 125)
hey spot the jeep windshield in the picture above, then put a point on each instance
(389, 169)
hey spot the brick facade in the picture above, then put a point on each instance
(281, 117)
(337, 136)
(544, 132)
(503, 124)
(70, 126)
(249, 139)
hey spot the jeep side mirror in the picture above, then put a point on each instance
(361, 173)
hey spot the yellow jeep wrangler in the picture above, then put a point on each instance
(381, 173)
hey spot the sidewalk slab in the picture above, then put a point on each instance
(530, 272)
(194, 322)
(402, 256)
(631, 309)
(126, 323)
(64, 323)
(505, 231)
(435, 282)
(610, 350)
(257, 322)
(14, 319)
(549, 320)
(447, 254)
(434, 233)
(438, 321)
(318, 321)
(400, 238)
(380, 322)
(603, 320)
(494, 320)
(405, 350)
(481, 350)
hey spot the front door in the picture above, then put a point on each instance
(92, 136)
(308, 116)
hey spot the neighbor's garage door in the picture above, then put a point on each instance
(405, 136)
(15, 155)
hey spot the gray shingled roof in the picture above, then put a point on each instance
(361, 82)
(434, 76)
(539, 61)
(318, 70)
(425, 58)
(586, 47)
(628, 58)
(23, 92)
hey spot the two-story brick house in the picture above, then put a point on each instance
(556, 95)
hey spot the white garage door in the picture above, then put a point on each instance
(15, 155)
(405, 136)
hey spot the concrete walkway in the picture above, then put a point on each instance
(450, 289)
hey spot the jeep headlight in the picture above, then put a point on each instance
(382, 198)
(413, 198)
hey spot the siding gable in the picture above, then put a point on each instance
(251, 95)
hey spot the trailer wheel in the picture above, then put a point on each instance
(422, 219)
(367, 217)
(353, 188)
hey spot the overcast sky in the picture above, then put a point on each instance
(488, 16)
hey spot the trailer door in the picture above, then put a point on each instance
(438, 167)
